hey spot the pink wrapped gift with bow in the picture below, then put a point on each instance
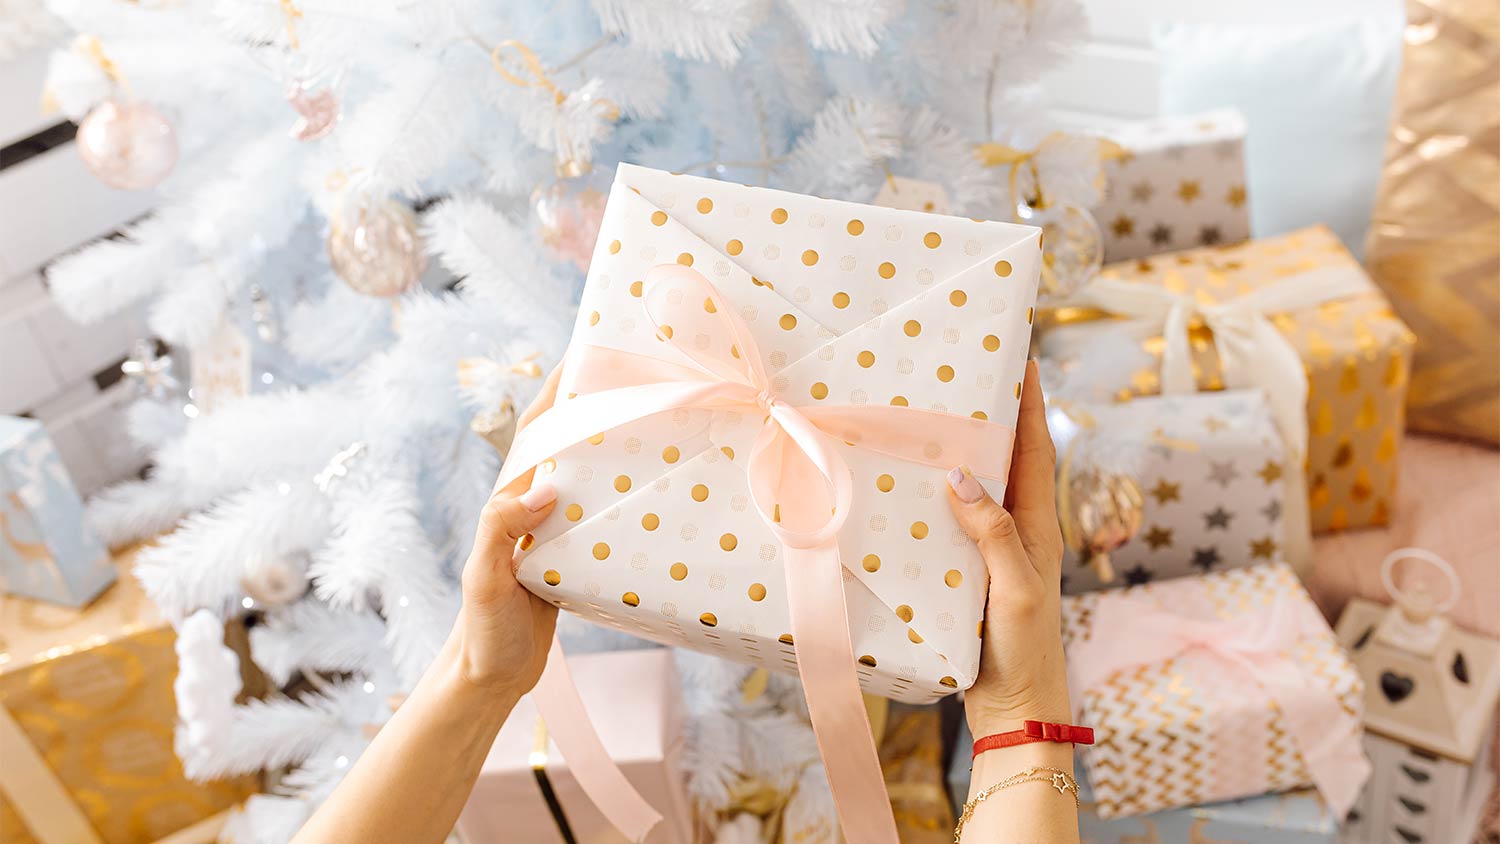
(762, 397)
(1213, 688)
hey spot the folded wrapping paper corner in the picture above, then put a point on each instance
(707, 379)
(1213, 688)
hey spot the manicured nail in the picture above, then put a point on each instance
(965, 485)
(538, 497)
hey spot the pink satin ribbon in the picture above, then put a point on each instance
(802, 489)
(1140, 633)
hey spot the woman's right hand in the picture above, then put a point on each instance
(1021, 671)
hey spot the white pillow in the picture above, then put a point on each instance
(1317, 99)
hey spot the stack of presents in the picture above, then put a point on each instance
(1260, 389)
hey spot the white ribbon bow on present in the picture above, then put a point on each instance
(1253, 353)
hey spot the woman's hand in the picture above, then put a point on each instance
(1021, 673)
(503, 631)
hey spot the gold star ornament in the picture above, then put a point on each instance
(1271, 472)
(1263, 549)
(1164, 492)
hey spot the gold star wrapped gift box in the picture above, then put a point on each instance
(1355, 353)
(87, 713)
(1212, 474)
(1181, 183)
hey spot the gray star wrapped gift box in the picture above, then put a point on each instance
(1214, 475)
(1181, 183)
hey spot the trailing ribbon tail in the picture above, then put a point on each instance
(802, 489)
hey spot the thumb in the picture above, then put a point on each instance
(505, 519)
(991, 527)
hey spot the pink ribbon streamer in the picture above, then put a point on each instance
(801, 487)
(1140, 633)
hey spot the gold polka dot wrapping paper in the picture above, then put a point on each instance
(91, 691)
(1355, 352)
(849, 304)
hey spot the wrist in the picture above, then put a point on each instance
(465, 684)
(987, 716)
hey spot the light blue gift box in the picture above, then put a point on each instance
(1293, 817)
(47, 550)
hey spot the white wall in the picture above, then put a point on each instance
(1115, 76)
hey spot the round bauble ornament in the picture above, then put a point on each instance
(275, 582)
(127, 145)
(316, 106)
(375, 248)
(568, 214)
(1099, 511)
(1072, 246)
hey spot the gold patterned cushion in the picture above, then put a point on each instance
(1435, 243)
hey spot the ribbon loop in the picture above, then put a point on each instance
(1252, 352)
(799, 482)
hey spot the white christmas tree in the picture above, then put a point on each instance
(313, 156)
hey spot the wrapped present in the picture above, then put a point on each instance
(1181, 183)
(911, 753)
(1430, 694)
(1434, 237)
(47, 550)
(1212, 688)
(1294, 315)
(1217, 489)
(86, 718)
(1290, 817)
(526, 790)
(752, 439)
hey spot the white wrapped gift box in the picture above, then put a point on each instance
(655, 532)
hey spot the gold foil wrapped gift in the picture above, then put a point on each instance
(1434, 242)
(1294, 315)
(87, 715)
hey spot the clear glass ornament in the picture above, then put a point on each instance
(1072, 246)
(375, 248)
(127, 145)
(569, 213)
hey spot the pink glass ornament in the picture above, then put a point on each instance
(127, 145)
(317, 110)
(375, 248)
(569, 213)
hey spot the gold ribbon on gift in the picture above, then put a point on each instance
(1015, 158)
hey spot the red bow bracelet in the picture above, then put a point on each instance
(1036, 731)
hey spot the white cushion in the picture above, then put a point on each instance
(1317, 98)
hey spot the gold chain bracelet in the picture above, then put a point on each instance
(1055, 777)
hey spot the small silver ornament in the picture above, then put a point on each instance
(150, 370)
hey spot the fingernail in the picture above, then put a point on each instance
(965, 485)
(538, 497)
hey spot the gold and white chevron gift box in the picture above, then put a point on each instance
(1211, 688)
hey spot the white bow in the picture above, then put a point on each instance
(1252, 352)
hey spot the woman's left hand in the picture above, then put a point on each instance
(504, 631)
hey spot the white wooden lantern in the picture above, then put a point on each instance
(1430, 696)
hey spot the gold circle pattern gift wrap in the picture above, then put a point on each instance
(91, 690)
(1434, 244)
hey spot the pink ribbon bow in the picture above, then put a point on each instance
(1140, 633)
(802, 489)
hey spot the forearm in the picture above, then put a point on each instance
(413, 780)
(1025, 813)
